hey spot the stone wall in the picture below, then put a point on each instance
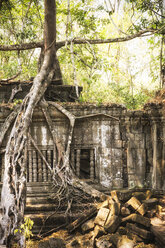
(111, 146)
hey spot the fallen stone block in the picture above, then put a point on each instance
(151, 213)
(115, 209)
(122, 230)
(114, 195)
(125, 242)
(56, 243)
(151, 203)
(102, 216)
(134, 237)
(75, 244)
(114, 238)
(88, 226)
(78, 222)
(138, 219)
(142, 209)
(104, 204)
(133, 202)
(44, 244)
(98, 231)
(125, 211)
(87, 240)
(139, 231)
(148, 194)
(52, 243)
(112, 224)
(139, 195)
(103, 242)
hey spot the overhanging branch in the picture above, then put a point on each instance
(59, 44)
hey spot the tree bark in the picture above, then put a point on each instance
(14, 183)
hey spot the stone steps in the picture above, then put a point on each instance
(45, 222)
(39, 207)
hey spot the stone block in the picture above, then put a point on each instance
(104, 204)
(139, 231)
(115, 209)
(142, 209)
(87, 226)
(139, 195)
(102, 216)
(112, 224)
(125, 211)
(122, 230)
(151, 203)
(75, 244)
(44, 244)
(125, 242)
(138, 219)
(134, 203)
(98, 231)
(151, 213)
(103, 242)
(148, 194)
(56, 243)
(114, 195)
(114, 238)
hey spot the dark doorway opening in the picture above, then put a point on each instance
(85, 164)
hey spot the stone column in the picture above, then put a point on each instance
(30, 167)
(136, 154)
(34, 167)
(157, 157)
(92, 169)
(44, 168)
(49, 162)
(78, 152)
(39, 169)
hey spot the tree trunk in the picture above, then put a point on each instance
(14, 183)
(13, 194)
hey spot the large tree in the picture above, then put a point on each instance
(14, 182)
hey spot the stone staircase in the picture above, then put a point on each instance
(44, 212)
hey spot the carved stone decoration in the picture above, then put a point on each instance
(92, 168)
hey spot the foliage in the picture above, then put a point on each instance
(96, 65)
(26, 228)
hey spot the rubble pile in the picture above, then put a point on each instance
(122, 221)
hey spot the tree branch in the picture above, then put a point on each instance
(23, 46)
(59, 44)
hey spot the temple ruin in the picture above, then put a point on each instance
(112, 147)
